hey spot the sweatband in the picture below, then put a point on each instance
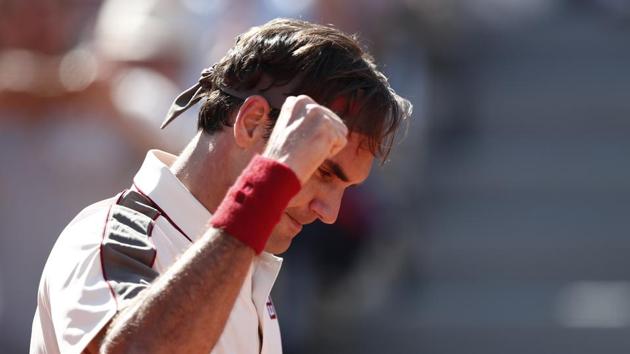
(254, 204)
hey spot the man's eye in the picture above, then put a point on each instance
(325, 174)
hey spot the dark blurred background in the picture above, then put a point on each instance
(498, 226)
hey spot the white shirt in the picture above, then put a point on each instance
(78, 296)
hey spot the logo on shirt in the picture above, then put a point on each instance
(270, 309)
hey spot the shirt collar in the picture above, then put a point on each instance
(156, 181)
(266, 269)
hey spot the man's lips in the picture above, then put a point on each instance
(296, 224)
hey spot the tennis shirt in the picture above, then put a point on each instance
(114, 249)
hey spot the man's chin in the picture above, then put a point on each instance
(277, 247)
(280, 240)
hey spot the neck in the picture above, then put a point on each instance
(202, 167)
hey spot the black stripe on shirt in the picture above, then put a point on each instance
(127, 252)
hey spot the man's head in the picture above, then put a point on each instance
(291, 57)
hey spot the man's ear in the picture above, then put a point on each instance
(251, 121)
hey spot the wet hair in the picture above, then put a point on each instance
(331, 67)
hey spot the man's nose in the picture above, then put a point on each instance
(327, 207)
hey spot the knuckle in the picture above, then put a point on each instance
(340, 126)
(290, 100)
(294, 103)
(304, 99)
(313, 111)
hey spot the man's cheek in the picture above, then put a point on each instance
(301, 198)
(295, 202)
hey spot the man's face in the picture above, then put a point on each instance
(320, 196)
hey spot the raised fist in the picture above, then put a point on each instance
(305, 135)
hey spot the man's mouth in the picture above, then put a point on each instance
(296, 224)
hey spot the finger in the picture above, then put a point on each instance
(338, 144)
(302, 101)
(339, 124)
(289, 101)
(288, 114)
(332, 114)
(288, 105)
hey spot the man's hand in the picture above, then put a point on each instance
(305, 135)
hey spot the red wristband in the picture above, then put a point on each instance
(254, 204)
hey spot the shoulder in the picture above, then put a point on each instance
(123, 217)
(79, 241)
(87, 227)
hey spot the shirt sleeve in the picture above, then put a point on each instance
(95, 270)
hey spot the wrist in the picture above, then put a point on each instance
(254, 204)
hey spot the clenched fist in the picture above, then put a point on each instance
(305, 135)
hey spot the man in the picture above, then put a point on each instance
(293, 115)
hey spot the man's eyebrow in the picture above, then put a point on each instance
(337, 170)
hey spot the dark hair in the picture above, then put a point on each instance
(329, 65)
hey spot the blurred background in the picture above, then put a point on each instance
(497, 226)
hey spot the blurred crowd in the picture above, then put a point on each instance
(85, 84)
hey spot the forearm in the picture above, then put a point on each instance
(189, 304)
(186, 308)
